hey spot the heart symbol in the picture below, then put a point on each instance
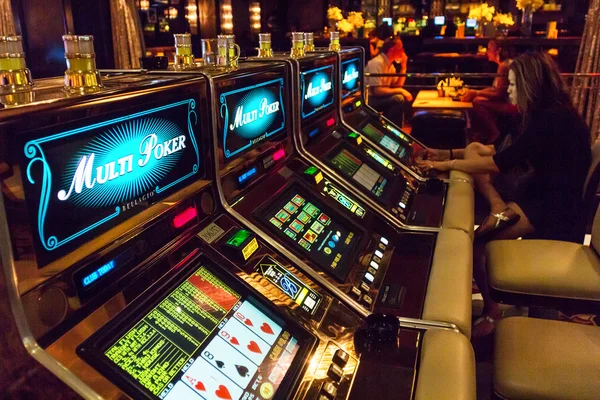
(266, 328)
(220, 363)
(248, 322)
(253, 347)
(200, 386)
(234, 340)
(223, 393)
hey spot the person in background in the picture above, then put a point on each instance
(375, 44)
(491, 105)
(386, 94)
(555, 142)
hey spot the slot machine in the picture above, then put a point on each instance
(126, 279)
(110, 286)
(322, 227)
(376, 157)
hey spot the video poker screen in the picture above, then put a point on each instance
(352, 166)
(207, 338)
(351, 77)
(251, 114)
(393, 146)
(323, 236)
(317, 88)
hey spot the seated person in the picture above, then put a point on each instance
(491, 104)
(556, 143)
(375, 43)
(386, 93)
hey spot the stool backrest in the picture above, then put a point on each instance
(592, 181)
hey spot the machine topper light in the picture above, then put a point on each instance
(317, 90)
(251, 114)
(350, 77)
(99, 173)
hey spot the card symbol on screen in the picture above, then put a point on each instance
(223, 393)
(266, 328)
(200, 386)
(234, 340)
(243, 371)
(248, 322)
(253, 347)
(220, 364)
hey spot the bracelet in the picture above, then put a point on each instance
(452, 164)
(451, 155)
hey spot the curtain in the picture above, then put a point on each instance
(128, 41)
(7, 23)
(586, 91)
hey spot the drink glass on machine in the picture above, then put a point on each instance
(81, 75)
(183, 51)
(297, 45)
(228, 51)
(209, 52)
(309, 41)
(264, 45)
(334, 44)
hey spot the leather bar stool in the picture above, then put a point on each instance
(543, 359)
(446, 367)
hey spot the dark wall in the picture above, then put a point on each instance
(43, 22)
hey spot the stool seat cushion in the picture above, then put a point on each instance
(446, 368)
(544, 267)
(543, 359)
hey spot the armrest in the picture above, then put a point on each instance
(548, 273)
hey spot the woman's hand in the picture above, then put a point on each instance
(428, 165)
(435, 154)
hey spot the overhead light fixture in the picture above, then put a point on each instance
(144, 5)
(171, 12)
(254, 10)
(226, 17)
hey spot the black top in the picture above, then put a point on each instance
(556, 143)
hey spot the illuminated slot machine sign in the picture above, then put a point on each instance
(303, 221)
(351, 77)
(251, 115)
(88, 177)
(316, 86)
(205, 338)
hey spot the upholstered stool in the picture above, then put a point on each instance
(446, 367)
(440, 129)
(543, 359)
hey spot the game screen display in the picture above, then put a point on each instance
(385, 141)
(250, 115)
(84, 178)
(353, 167)
(312, 229)
(203, 341)
(351, 77)
(317, 88)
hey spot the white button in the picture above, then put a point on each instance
(369, 277)
(374, 264)
(384, 241)
(401, 204)
(378, 254)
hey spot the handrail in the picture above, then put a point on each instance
(465, 75)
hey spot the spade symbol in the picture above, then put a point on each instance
(220, 363)
(243, 371)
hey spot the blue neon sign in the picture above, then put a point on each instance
(351, 70)
(317, 88)
(97, 274)
(86, 180)
(250, 115)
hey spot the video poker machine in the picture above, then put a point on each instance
(376, 157)
(126, 278)
(112, 288)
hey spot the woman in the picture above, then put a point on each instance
(556, 143)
